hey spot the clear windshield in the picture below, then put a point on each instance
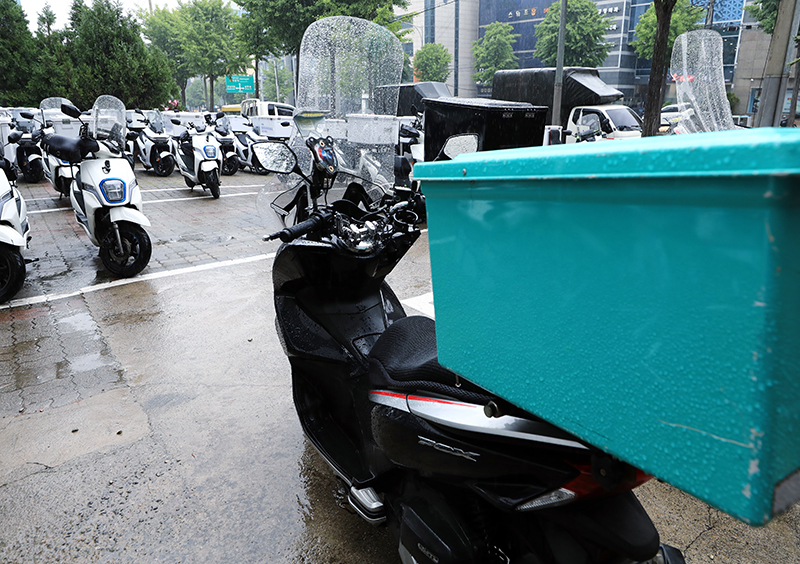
(624, 118)
(700, 82)
(108, 120)
(156, 120)
(53, 103)
(343, 62)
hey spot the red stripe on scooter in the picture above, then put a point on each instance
(434, 400)
(389, 394)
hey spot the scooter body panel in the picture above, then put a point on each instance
(131, 215)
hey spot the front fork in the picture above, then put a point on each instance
(115, 227)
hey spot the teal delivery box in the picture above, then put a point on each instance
(643, 295)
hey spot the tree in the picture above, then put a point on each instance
(432, 62)
(53, 73)
(584, 42)
(210, 42)
(685, 17)
(164, 29)
(662, 48)
(111, 58)
(16, 52)
(257, 41)
(277, 72)
(494, 52)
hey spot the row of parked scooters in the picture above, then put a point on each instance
(95, 171)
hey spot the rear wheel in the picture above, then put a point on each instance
(12, 272)
(230, 165)
(162, 166)
(134, 255)
(212, 182)
(34, 172)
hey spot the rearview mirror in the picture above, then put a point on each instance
(26, 115)
(175, 121)
(220, 115)
(70, 110)
(459, 144)
(275, 156)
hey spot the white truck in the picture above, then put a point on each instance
(588, 108)
(269, 119)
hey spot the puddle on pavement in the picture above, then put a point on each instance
(79, 322)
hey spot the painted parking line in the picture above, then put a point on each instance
(148, 202)
(125, 281)
(423, 304)
(148, 190)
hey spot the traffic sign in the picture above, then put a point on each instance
(240, 83)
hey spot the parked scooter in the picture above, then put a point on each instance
(458, 474)
(243, 141)
(198, 155)
(105, 196)
(152, 146)
(15, 232)
(227, 144)
(28, 155)
(56, 170)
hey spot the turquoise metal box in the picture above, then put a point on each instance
(642, 294)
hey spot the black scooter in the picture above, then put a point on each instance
(458, 474)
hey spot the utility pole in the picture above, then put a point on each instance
(558, 87)
(776, 72)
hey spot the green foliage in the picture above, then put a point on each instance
(494, 52)
(164, 29)
(276, 70)
(685, 17)
(16, 52)
(733, 100)
(584, 42)
(432, 62)
(766, 12)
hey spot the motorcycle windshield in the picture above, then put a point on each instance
(156, 121)
(108, 120)
(53, 103)
(348, 87)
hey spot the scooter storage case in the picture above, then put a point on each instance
(643, 295)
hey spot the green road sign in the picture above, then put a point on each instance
(240, 83)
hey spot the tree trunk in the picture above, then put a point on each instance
(658, 68)
(258, 90)
(211, 79)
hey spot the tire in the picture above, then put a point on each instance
(136, 246)
(212, 182)
(230, 165)
(162, 167)
(34, 172)
(12, 272)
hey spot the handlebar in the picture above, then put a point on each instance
(288, 234)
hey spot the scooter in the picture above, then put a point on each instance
(243, 141)
(458, 474)
(227, 144)
(27, 152)
(152, 145)
(105, 195)
(199, 157)
(57, 171)
(15, 232)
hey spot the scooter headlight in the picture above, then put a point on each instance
(210, 151)
(113, 189)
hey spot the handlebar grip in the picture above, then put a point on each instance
(303, 228)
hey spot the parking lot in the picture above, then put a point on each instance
(151, 419)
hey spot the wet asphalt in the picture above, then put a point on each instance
(151, 420)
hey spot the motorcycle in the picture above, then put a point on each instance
(104, 194)
(15, 231)
(458, 474)
(57, 171)
(243, 141)
(28, 155)
(227, 144)
(152, 145)
(199, 156)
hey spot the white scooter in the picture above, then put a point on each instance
(198, 155)
(152, 145)
(15, 232)
(243, 141)
(105, 195)
(227, 144)
(57, 171)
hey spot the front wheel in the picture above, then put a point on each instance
(34, 172)
(162, 166)
(212, 182)
(230, 165)
(134, 255)
(12, 272)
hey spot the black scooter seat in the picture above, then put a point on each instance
(70, 149)
(405, 357)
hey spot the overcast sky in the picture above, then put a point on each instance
(32, 8)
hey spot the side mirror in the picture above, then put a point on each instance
(275, 156)
(459, 144)
(70, 110)
(26, 115)
(138, 111)
(14, 137)
(175, 121)
(220, 115)
(48, 123)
